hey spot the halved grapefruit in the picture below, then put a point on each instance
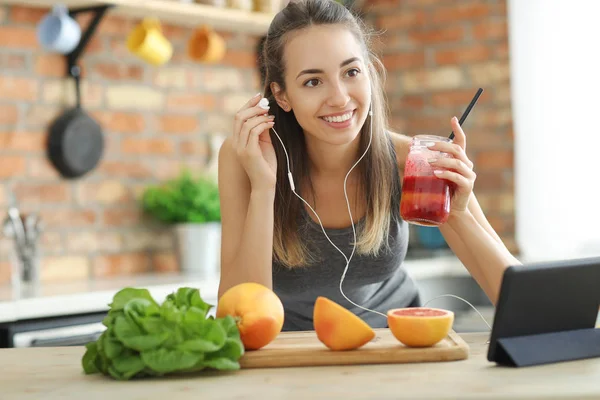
(338, 328)
(420, 326)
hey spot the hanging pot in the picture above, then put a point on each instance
(75, 142)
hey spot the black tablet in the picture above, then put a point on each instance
(544, 298)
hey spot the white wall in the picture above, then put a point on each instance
(555, 73)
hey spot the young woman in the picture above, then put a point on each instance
(321, 81)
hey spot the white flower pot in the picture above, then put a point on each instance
(198, 248)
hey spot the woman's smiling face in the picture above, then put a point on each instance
(327, 83)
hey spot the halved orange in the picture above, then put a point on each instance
(338, 328)
(420, 326)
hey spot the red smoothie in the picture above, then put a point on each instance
(425, 200)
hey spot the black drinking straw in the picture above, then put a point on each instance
(468, 110)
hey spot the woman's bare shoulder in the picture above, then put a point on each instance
(401, 146)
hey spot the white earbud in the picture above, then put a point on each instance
(264, 103)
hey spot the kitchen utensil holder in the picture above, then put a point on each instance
(73, 69)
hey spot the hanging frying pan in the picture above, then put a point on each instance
(75, 141)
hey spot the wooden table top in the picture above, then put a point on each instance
(56, 373)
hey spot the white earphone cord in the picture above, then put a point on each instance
(290, 178)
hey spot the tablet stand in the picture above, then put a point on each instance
(545, 348)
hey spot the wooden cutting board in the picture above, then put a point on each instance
(303, 349)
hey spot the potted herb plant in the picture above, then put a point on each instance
(191, 205)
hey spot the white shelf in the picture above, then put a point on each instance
(172, 12)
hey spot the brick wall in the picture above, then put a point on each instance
(155, 121)
(437, 53)
(158, 119)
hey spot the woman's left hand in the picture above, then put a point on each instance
(457, 168)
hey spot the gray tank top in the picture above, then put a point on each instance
(378, 283)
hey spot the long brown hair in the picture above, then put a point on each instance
(376, 170)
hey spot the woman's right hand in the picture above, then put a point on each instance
(253, 145)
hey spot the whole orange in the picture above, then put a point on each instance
(420, 326)
(258, 312)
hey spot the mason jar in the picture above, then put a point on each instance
(425, 198)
